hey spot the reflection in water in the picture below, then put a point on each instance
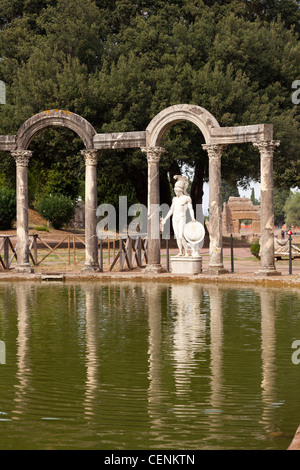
(92, 379)
(154, 355)
(268, 343)
(23, 362)
(189, 331)
(183, 379)
(187, 349)
(2, 353)
(216, 349)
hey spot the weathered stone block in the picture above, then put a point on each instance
(186, 265)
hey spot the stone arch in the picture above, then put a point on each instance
(216, 139)
(55, 117)
(202, 118)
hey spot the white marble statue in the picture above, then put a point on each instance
(180, 204)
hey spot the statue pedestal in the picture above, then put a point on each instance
(186, 265)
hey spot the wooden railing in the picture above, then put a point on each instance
(7, 251)
(114, 254)
(131, 252)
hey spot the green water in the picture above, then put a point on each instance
(147, 366)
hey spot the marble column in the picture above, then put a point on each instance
(22, 158)
(267, 261)
(153, 158)
(215, 210)
(91, 239)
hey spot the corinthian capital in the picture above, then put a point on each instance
(153, 153)
(90, 156)
(21, 157)
(266, 147)
(214, 150)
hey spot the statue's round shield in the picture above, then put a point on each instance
(194, 232)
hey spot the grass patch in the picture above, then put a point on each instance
(42, 229)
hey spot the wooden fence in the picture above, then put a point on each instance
(7, 251)
(114, 254)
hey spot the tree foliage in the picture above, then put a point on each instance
(120, 63)
(57, 209)
(228, 191)
(280, 198)
(292, 210)
(253, 199)
(8, 208)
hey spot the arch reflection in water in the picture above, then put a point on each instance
(152, 365)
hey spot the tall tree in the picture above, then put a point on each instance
(269, 10)
(228, 191)
(280, 198)
(254, 201)
(292, 210)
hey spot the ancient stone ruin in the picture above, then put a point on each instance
(235, 211)
(217, 139)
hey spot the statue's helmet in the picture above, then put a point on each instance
(181, 183)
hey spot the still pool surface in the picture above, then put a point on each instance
(129, 366)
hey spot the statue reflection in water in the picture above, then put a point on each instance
(190, 318)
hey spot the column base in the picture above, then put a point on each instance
(24, 268)
(216, 270)
(154, 269)
(267, 272)
(92, 269)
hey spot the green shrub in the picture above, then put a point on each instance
(58, 209)
(8, 208)
(255, 247)
(42, 229)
